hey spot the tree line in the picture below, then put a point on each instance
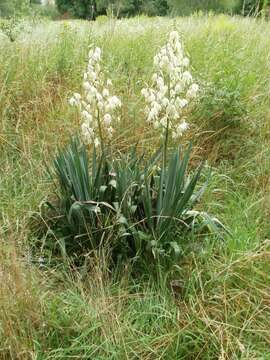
(90, 9)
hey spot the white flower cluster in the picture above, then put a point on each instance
(98, 108)
(172, 89)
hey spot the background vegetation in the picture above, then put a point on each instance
(90, 9)
(93, 8)
(215, 304)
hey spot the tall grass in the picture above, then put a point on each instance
(216, 305)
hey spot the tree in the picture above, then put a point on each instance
(85, 9)
(119, 7)
(183, 7)
(252, 7)
(155, 7)
(90, 8)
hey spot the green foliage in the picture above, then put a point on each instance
(92, 9)
(26, 8)
(155, 7)
(252, 7)
(132, 204)
(10, 8)
(45, 11)
(11, 27)
(222, 106)
(182, 7)
(84, 9)
(221, 308)
(102, 19)
(82, 209)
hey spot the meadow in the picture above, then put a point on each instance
(53, 310)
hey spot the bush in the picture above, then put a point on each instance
(102, 19)
(10, 8)
(47, 11)
(90, 10)
(12, 28)
(185, 8)
(78, 8)
(134, 207)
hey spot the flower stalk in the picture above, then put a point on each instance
(171, 92)
(98, 108)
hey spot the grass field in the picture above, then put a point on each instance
(222, 310)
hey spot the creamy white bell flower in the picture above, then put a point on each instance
(187, 77)
(97, 142)
(172, 88)
(186, 62)
(87, 133)
(144, 93)
(193, 91)
(110, 131)
(98, 108)
(105, 92)
(72, 101)
(100, 105)
(109, 82)
(107, 119)
(77, 96)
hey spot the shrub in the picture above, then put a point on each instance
(79, 224)
(102, 19)
(12, 28)
(46, 11)
(132, 205)
(11, 8)
(222, 106)
(252, 7)
(185, 8)
(79, 8)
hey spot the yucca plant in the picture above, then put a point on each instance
(141, 211)
(131, 202)
(163, 206)
(170, 196)
(84, 212)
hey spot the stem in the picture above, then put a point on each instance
(165, 145)
(164, 160)
(166, 135)
(100, 134)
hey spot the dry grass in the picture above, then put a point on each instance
(222, 311)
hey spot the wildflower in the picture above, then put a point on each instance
(77, 96)
(187, 77)
(180, 129)
(105, 92)
(181, 102)
(107, 119)
(144, 93)
(193, 91)
(109, 82)
(100, 105)
(87, 133)
(174, 36)
(172, 89)
(86, 85)
(98, 108)
(110, 131)
(97, 142)
(72, 101)
(186, 62)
